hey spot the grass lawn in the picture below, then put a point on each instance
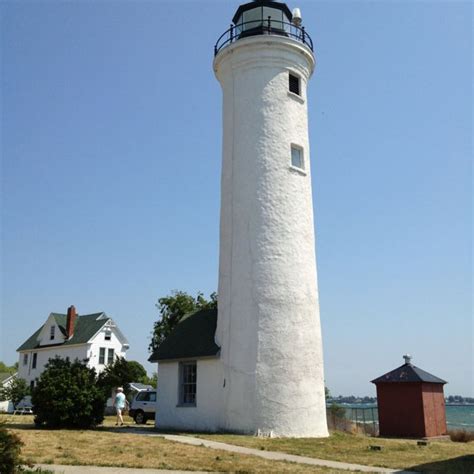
(103, 447)
(441, 456)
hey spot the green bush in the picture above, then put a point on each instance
(67, 396)
(10, 448)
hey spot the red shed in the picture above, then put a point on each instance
(410, 403)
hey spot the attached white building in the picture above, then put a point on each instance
(94, 338)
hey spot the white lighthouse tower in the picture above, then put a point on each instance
(268, 325)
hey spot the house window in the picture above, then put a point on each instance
(35, 358)
(297, 157)
(187, 384)
(51, 332)
(294, 84)
(102, 355)
(25, 359)
(110, 356)
(108, 334)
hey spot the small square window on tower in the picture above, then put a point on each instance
(297, 160)
(294, 84)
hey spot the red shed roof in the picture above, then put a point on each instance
(408, 373)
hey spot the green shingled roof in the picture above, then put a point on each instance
(86, 326)
(192, 337)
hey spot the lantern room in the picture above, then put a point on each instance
(411, 403)
(255, 18)
(263, 17)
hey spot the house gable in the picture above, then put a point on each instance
(51, 332)
(84, 330)
(111, 330)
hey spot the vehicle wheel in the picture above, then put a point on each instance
(139, 417)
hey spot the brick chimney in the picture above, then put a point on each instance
(71, 321)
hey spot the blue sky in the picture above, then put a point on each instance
(111, 144)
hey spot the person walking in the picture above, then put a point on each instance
(120, 404)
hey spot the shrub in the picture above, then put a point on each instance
(10, 447)
(67, 396)
(461, 436)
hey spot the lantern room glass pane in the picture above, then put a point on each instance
(254, 16)
(276, 17)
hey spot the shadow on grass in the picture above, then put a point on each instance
(459, 465)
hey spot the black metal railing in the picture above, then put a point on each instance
(263, 27)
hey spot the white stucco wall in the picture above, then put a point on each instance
(268, 321)
(206, 414)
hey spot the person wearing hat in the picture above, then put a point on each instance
(120, 403)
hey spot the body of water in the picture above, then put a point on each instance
(457, 416)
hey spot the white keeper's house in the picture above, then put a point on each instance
(94, 338)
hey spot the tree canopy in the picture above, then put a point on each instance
(120, 374)
(15, 391)
(8, 369)
(172, 308)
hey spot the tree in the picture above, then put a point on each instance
(153, 380)
(172, 308)
(16, 391)
(6, 369)
(120, 374)
(67, 396)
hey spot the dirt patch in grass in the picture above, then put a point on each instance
(443, 456)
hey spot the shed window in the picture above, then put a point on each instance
(188, 376)
(297, 157)
(25, 359)
(35, 358)
(110, 356)
(294, 84)
(102, 355)
(51, 332)
(108, 334)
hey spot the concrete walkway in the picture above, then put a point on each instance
(278, 456)
(271, 455)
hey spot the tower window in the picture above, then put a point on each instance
(25, 359)
(297, 160)
(108, 334)
(187, 385)
(294, 84)
(51, 332)
(35, 359)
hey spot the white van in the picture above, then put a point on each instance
(143, 406)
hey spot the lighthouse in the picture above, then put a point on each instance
(268, 323)
(255, 365)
